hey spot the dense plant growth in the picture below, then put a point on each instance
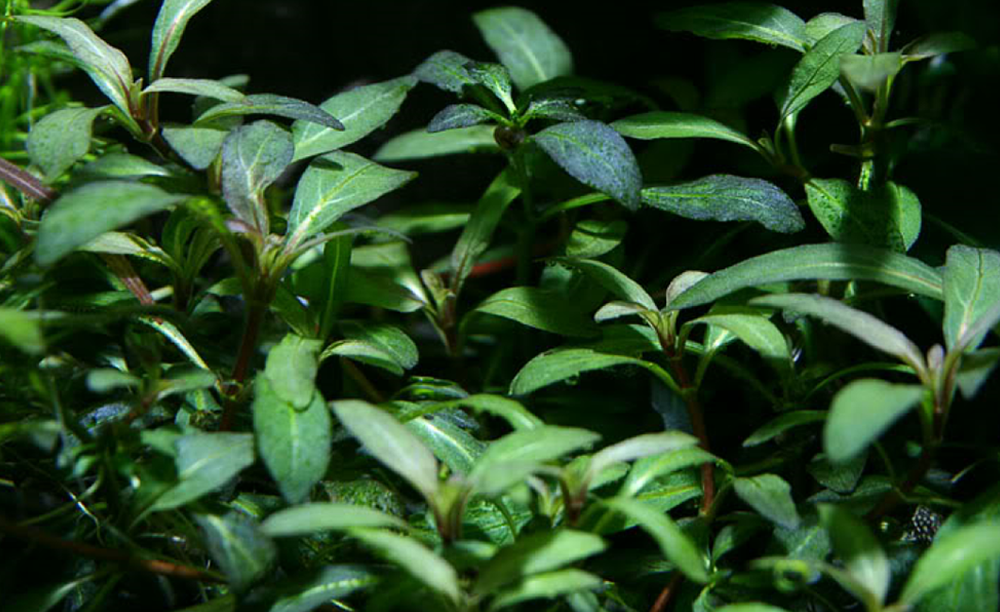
(225, 385)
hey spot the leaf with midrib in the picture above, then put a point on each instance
(949, 557)
(819, 68)
(419, 144)
(861, 412)
(771, 496)
(317, 517)
(665, 124)
(415, 558)
(478, 232)
(561, 364)
(270, 104)
(535, 553)
(757, 21)
(167, 31)
(205, 462)
(611, 279)
(538, 308)
(253, 157)
(525, 45)
(971, 287)
(61, 138)
(861, 553)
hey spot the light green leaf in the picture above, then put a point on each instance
(526, 447)
(253, 157)
(330, 582)
(525, 45)
(561, 364)
(167, 32)
(975, 368)
(771, 496)
(361, 110)
(860, 552)
(333, 185)
(538, 308)
(455, 116)
(478, 232)
(415, 559)
(783, 423)
(196, 87)
(391, 443)
(364, 352)
(863, 326)
(675, 545)
(419, 144)
(61, 138)
(664, 124)
(291, 370)
(22, 330)
(451, 444)
(750, 607)
(819, 68)
(270, 104)
(971, 288)
(881, 18)
(516, 415)
(238, 546)
(122, 165)
(592, 238)
(392, 340)
(817, 261)
(312, 518)
(648, 469)
(106, 65)
(723, 197)
(949, 557)
(757, 21)
(205, 462)
(861, 412)
(446, 70)
(198, 146)
(755, 330)
(871, 71)
(822, 24)
(496, 79)
(547, 586)
(536, 553)
(294, 441)
(637, 447)
(85, 213)
(597, 156)
(935, 44)
(611, 279)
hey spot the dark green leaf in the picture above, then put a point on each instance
(415, 559)
(270, 104)
(61, 138)
(817, 261)
(333, 185)
(538, 308)
(496, 79)
(937, 44)
(21, 330)
(756, 331)
(860, 552)
(205, 462)
(819, 68)
(871, 71)
(85, 213)
(536, 553)
(198, 146)
(594, 237)
(167, 31)
(456, 116)
(525, 45)
(556, 109)
(361, 110)
(861, 412)
(611, 279)
(312, 518)
(122, 165)
(597, 156)
(950, 557)
(478, 232)
(548, 585)
(750, 607)
(971, 288)
(330, 582)
(881, 18)
(663, 124)
(446, 70)
(420, 144)
(771, 496)
(196, 87)
(779, 425)
(253, 157)
(562, 364)
(291, 370)
(843, 477)
(757, 21)
(238, 546)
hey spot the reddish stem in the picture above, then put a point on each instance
(255, 318)
(667, 593)
(25, 182)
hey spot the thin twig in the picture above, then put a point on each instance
(25, 182)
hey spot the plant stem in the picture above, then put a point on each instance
(25, 182)
(667, 593)
(255, 318)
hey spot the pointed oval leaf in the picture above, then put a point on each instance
(21, 330)
(937, 43)
(611, 279)
(757, 21)
(860, 551)
(391, 443)
(452, 445)
(270, 104)
(861, 412)
(637, 447)
(860, 324)
(887, 217)
(975, 368)
(291, 370)
(723, 197)
(547, 586)
(361, 110)
(665, 124)
(525, 45)
(122, 165)
(949, 557)
(446, 70)
(333, 185)
(538, 445)
(516, 415)
(816, 261)
(783, 423)
(294, 441)
(676, 546)
(61, 138)
(168, 30)
(819, 68)
(389, 338)
(871, 71)
(198, 146)
(496, 79)
(107, 66)
(597, 156)
(971, 288)
(237, 545)
(478, 232)
(363, 352)
(208, 88)
(771, 496)
(538, 308)
(648, 469)
(205, 462)
(880, 16)
(756, 331)
(83, 214)
(312, 518)
(456, 116)
(561, 364)
(594, 237)
(419, 144)
(415, 558)
(329, 582)
(819, 26)
(540, 552)
(253, 157)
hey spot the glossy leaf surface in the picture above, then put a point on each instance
(861, 412)
(525, 45)
(819, 68)
(664, 124)
(756, 21)
(971, 288)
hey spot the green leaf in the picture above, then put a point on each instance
(446, 70)
(562, 364)
(757, 21)
(771, 496)
(419, 144)
(536, 553)
(196, 87)
(291, 370)
(122, 165)
(389, 338)
(525, 45)
(270, 104)
(822, 24)
(391, 443)
(85, 213)
(611, 279)
(21, 330)
(294, 441)
(881, 18)
(723, 197)
(253, 157)
(750, 607)
(971, 288)
(871, 71)
(361, 110)
(198, 146)
(61, 138)
(664, 124)
(205, 462)
(451, 444)
(106, 65)
(333, 185)
(556, 109)
(648, 469)
(597, 156)
(783, 423)
(415, 559)
(547, 586)
(860, 552)
(949, 557)
(819, 68)
(319, 588)
(549, 311)
(592, 238)
(478, 232)
(168, 30)
(841, 478)
(863, 326)
(516, 415)
(455, 116)
(496, 79)
(935, 44)
(237, 545)
(861, 412)
(312, 518)
(816, 261)
(755, 330)
(675, 545)
(975, 368)
(637, 447)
